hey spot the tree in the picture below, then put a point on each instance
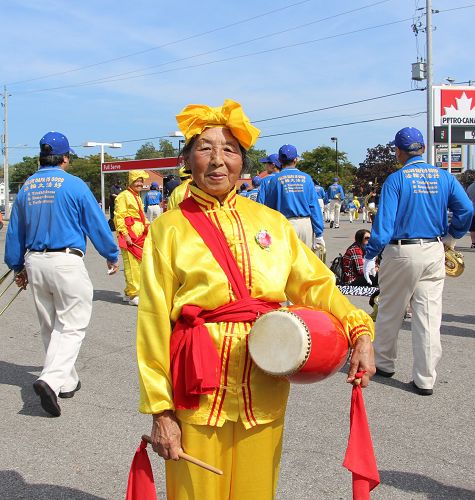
(21, 171)
(166, 149)
(147, 151)
(380, 162)
(253, 166)
(320, 163)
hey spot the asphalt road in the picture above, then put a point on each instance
(424, 445)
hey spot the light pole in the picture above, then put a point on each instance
(181, 140)
(335, 140)
(102, 145)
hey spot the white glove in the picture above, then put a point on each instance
(319, 240)
(369, 269)
(449, 241)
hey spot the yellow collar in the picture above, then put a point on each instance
(208, 202)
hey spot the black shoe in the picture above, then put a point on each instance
(49, 401)
(420, 391)
(382, 373)
(331, 224)
(70, 394)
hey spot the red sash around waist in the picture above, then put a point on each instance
(136, 248)
(194, 360)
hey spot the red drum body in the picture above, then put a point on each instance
(302, 344)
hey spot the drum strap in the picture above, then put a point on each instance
(194, 361)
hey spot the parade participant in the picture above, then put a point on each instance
(132, 228)
(411, 226)
(191, 300)
(272, 165)
(115, 190)
(182, 191)
(169, 184)
(353, 261)
(243, 189)
(335, 195)
(152, 202)
(45, 244)
(321, 196)
(471, 195)
(291, 193)
(253, 193)
(353, 207)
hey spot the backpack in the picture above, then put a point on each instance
(337, 269)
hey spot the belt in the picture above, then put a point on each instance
(413, 241)
(74, 251)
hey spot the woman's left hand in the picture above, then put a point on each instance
(362, 359)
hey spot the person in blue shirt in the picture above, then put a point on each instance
(45, 244)
(321, 196)
(253, 193)
(152, 202)
(411, 228)
(272, 165)
(291, 192)
(335, 195)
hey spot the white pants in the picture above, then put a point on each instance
(335, 207)
(411, 274)
(352, 214)
(153, 211)
(62, 292)
(303, 228)
(322, 207)
(326, 212)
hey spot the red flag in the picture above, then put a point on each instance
(359, 458)
(140, 485)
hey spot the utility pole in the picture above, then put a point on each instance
(430, 116)
(5, 153)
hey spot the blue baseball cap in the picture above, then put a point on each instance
(154, 185)
(335, 179)
(58, 142)
(273, 158)
(256, 181)
(287, 153)
(408, 139)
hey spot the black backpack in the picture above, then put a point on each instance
(337, 269)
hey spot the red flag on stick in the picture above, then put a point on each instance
(141, 485)
(359, 458)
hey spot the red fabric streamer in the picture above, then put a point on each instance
(136, 248)
(194, 361)
(140, 485)
(359, 458)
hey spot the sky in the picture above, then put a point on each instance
(117, 71)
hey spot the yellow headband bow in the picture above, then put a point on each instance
(196, 117)
(136, 174)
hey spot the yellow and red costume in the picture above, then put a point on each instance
(178, 269)
(129, 219)
(179, 194)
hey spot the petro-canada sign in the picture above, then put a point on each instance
(454, 105)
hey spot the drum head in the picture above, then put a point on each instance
(279, 343)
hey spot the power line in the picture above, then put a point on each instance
(344, 124)
(266, 51)
(190, 37)
(337, 105)
(456, 8)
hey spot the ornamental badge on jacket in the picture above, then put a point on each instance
(264, 239)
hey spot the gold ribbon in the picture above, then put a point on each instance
(196, 117)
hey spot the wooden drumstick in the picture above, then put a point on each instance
(190, 459)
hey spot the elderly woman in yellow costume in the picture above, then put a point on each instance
(132, 227)
(207, 273)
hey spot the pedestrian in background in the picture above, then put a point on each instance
(45, 245)
(335, 195)
(152, 202)
(411, 226)
(132, 228)
(272, 166)
(471, 195)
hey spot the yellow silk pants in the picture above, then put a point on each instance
(131, 273)
(250, 460)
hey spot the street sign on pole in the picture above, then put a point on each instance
(149, 164)
(454, 104)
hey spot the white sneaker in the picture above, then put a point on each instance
(134, 301)
(337, 226)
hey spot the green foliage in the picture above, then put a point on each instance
(166, 149)
(147, 151)
(320, 163)
(254, 167)
(380, 162)
(19, 172)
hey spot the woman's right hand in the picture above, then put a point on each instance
(166, 435)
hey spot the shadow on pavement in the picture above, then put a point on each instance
(392, 382)
(107, 296)
(11, 374)
(417, 483)
(455, 331)
(453, 318)
(14, 486)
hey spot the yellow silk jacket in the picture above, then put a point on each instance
(178, 269)
(126, 206)
(179, 194)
